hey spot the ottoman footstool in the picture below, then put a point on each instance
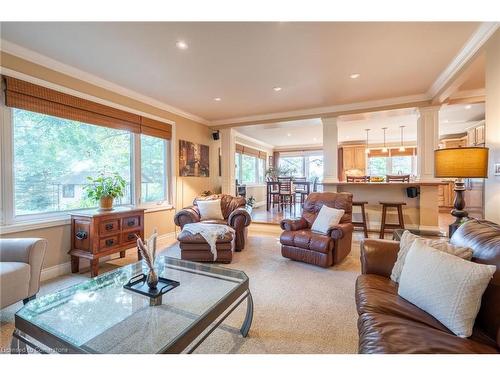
(195, 248)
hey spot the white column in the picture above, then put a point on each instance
(330, 149)
(427, 141)
(492, 128)
(228, 165)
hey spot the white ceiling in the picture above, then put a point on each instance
(242, 62)
(453, 119)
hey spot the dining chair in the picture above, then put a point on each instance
(358, 178)
(301, 189)
(398, 178)
(286, 193)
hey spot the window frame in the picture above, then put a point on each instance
(7, 209)
(238, 158)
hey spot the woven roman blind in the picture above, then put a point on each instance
(28, 96)
(245, 150)
(409, 151)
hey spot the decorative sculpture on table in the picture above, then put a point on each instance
(148, 252)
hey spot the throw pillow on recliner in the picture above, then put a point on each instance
(210, 209)
(327, 218)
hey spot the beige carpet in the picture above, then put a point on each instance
(299, 308)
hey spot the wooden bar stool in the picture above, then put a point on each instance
(401, 223)
(362, 223)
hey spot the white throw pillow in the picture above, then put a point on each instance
(407, 240)
(445, 286)
(210, 209)
(326, 219)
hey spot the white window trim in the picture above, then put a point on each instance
(257, 171)
(11, 224)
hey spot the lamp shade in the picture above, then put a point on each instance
(463, 162)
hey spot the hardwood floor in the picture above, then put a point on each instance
(273, 216)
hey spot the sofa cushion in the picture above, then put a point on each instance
(14, 282)
(407, 240)
(379, 294)
(447, 287)
(326, 219)
(306, 239)
(384, 333)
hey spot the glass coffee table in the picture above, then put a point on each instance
(100, 316)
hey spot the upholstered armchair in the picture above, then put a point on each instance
(21, 262)
(298, 242)
(234, 212)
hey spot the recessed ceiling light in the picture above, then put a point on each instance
(288, 135)
(181, 44)
(468, 106)
(217, 99)
(354, 75)
(277, 89)
(315, 139)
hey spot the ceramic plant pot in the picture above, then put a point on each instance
(106, 203)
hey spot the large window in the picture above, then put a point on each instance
(153, 169)
(249, 169)
(392, 163)
(50, 153)
(401, 164)
(307, 165)
(377, 166)
(52, 158)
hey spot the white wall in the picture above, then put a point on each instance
(492, 185)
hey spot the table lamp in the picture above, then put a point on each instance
(460, 163)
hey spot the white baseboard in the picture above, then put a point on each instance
(65, 268)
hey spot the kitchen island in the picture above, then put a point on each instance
(420, 213)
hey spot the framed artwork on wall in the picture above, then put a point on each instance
(193, 159)
(497, 169)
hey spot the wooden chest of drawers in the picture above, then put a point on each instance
(95, 234)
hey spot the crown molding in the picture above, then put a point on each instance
(47, 62)
(329, 111)
(253, 140)
(464, 94)
(464, 56)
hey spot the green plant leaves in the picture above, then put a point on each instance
(105, 186)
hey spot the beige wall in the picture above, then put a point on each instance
(186, 188)
(492, 183)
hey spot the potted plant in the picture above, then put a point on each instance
(104, 189)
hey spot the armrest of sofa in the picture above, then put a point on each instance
(25, 250)
(239, 218)
(292, 225)
(378, 256)
(338, 231)
(186, 216)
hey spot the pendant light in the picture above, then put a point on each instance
(367, 150)
(384, 150)
(402, 148)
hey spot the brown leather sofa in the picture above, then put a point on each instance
(388, 323)
(233, 210)
(298, 242)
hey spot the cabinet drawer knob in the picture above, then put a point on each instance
(110, 242)
(109, 226)
(131, 223)
(131, 236)
(81, 235)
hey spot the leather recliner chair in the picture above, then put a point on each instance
(233, 210)
(299, 242)
(388, 323)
